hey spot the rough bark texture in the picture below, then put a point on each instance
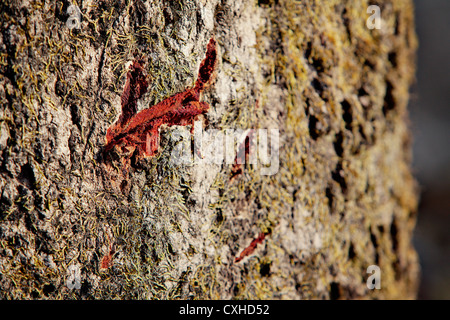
(343, 198)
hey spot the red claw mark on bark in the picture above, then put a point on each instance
(251, 248)
(137, 133)
(107, 260)
(242, 156)
(135, 87)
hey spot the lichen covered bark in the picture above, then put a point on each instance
(74, 224)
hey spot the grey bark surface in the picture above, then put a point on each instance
(343, 199)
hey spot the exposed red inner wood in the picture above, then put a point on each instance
(251, 248)
(137, 133)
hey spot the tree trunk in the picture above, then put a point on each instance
(80, 221)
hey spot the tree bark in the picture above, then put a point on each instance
(77, 222)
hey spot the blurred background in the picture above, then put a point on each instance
(430, 122)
